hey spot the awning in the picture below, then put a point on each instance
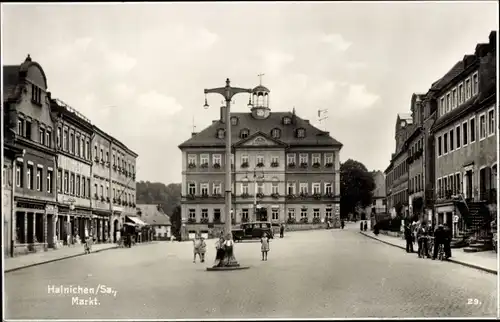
(136, 221)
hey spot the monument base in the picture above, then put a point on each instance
(227, 268)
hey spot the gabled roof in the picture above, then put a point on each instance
(405, 116)
(314, 136)
(449, 76)
(153, 215)
(10, 81)
(270, 141)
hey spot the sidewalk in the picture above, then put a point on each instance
(485, 261)
(29, 260)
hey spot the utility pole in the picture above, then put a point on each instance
(227, 92)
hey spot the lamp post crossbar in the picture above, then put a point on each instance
(228, 92)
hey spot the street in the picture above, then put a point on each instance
(310, 274)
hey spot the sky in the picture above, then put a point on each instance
(138, 70)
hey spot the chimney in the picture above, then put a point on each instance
(223, 114)
(493, 38)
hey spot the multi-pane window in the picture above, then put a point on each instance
(274, 159)
(216, 159)
(303, 187)
(27, 129)
(192, 213)
(244, 159)
(452, 140)
(290, 188)
(244, 213)
(191, 159)
(275, 133)
(468, 89)
(39, 179)
(204, 189)
(458, 137)
(275, 214)
(72, 143)
(316, 187)
(482, 126)
(36, 94)
(260, 159)
(66, 182)
(316, 158)
(472, 130)
(443, 106)
(48, 138)
(301, 133)
(217, 188)
(84, 190)
(439, 145)
(448, 102)
(302, 158)
(465, 134)
(19, 175)
(192, 188)
(316, 213)
(455, 98)
(88, 187)
(328, 188)
(49, 180)
(303, 213)
(491, 121)
(102, 158)
(204, 159)
(475, 84)
(102, 191)
(41, 136)
(328, 213)
(244, 188)
(65, 140)
(460, 93)
(274, 187)
(204, 213)
(20, 127)
(29, 176)
(290, 158)
(328, 158)
(291, 213)
(72, 184)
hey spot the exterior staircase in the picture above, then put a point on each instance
(476, 219)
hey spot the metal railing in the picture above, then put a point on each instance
(72, 110)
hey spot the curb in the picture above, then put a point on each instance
(481, 268)
(55, 260)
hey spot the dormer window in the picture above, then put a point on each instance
(276, 133)
(301, 133)
(234, 120)
(220, 133)
(244, 133)
(287, 120)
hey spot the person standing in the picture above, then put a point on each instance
(365, 226)
(264, 246)
(203, 249)
(439, 239)
(342, 223)
(409, 239)
(447, 241)
(196, 247)
(422, 235)
(219, 255)
(282, 231)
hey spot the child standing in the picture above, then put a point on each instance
(203, 249)
(265, 246)
(196, 247)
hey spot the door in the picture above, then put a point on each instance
(263, 214)
(248, 230)
(192, 234)
(204, 234)
(469, 185)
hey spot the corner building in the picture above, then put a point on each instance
(283, 170)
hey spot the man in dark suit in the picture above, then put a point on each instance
(439, 239)
(447, 240)
(409, 239)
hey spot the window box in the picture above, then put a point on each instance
(303, 195)
(190, 196)
(114, 167)
(275, 164)
(133, 176)
(102, 161)
(329, 165)
(260, 165)
(316, 165)
(291, 165)
(96, 196)
(96, 159)
(317, 196)
(303, 165)
(304, 220)
(245, 195)
(204, 195)
(290, 197)
(204, 221)
(204, 165)
(191, 166)
(216, 221)
(107, 199)
(275, 195)
(316, 220)
(216, 165)
(244, 165)
(291, 221)
(191, 221)
(260, 195)
(114, 200)
(217, 195)
(329, 195)
(244, 219)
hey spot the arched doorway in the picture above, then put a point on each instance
(115, 230)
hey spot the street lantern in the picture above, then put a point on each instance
(227, 92)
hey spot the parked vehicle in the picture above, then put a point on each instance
(252, 230)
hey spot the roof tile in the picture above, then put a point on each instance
(151, 215)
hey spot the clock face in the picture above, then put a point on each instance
(260, 112)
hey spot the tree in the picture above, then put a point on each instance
(356, 187)
(167, 196)
(176, 221)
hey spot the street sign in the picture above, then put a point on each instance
(455, 219)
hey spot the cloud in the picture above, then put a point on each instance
(123, 91)
(274, 60)
(337, 41)
(323, 89)
(356, 66)
(158, 104)
(120, 62)
(358, 97)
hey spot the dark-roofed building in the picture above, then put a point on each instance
(284, 169)
(466, 143)
(154, 216)
(29, 126)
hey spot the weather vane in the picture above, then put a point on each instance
(260, 78)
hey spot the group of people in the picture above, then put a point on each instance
(423, 233)
(224, 248)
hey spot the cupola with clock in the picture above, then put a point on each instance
(259, 101)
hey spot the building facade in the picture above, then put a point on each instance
(73, 136)
(154, 216)
(30, 127)
(56, 175)
(283, 170)
(466, 143)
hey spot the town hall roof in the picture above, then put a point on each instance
(313, 136)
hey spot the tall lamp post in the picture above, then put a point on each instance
(228, 92)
